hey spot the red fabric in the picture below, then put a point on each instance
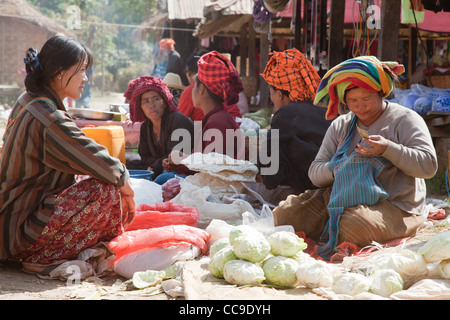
(187, 107)
(437, 215)
(141, 85)
(163, 237)
(221, 120)
(85, 213)
(163, 214)
(220, 76)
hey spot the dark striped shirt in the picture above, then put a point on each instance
(42, 153)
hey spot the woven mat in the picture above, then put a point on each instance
(199, 284)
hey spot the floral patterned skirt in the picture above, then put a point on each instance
(86, 213)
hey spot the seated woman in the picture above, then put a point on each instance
(186, 105)
(151, 103)
(46, 217)
(217, 82)
(372, 183)
(300, 125)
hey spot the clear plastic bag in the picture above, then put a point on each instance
(264, 222)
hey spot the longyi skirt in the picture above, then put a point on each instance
(86, 213)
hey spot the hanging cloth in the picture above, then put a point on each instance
(355, 183)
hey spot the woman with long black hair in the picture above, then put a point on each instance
(46, 217)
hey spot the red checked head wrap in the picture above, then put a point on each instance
(141, 85)
(291, 71)
(220, 76)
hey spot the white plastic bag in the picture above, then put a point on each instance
(146, 191)
(264, 222)
(154, 259)
(198, 197)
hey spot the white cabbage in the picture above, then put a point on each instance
(144, 279)
(386, 282)
(252, 248)
(314, 273)
(281, 271)
(242, 230)
(437, 248)
(302, 257)
(351, 283)
(284, 243)
(443, 269)
(218, 245)
(217, 262)
(241, 272)
(410, 265)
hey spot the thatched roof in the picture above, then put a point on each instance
(22, 10)
(154, 24)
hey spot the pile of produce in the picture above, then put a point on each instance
(261, 117)
(246, 257)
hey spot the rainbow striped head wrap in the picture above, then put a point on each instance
(366, 72)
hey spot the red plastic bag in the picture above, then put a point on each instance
(176, 235)
(163, 214)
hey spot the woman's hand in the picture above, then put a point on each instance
(166, 164)
(375, 145)
(128, 204)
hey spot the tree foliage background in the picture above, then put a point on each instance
(107, 26)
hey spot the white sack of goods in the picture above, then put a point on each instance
(221, 166)
(211, 190)
(156, 248)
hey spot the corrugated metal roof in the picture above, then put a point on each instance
(239, 7)
(195, 9)
(185, 9)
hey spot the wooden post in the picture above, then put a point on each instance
(336, 36)
(243, 51)
(264, 58)
(412, 53)
(298, 25)
(390, 23)
(251, 50)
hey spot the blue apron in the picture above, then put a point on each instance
(355, 183)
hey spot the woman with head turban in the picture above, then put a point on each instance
(371, 165)
(300, 125)
(151, 103)
(217, 82)
(186, 105)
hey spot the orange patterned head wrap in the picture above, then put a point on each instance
(167, 43)
(292, 72)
